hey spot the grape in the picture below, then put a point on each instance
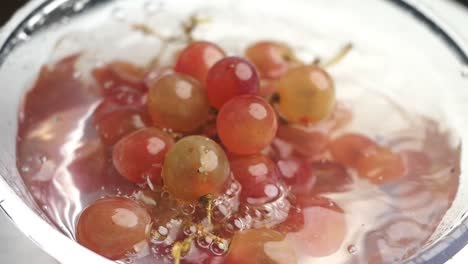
(118, 74)
(308, 143)
(230, 77)
(198, 58)
(307, 94)
(113, 227)
(178, 102)
(88, 165)
(258, 176)
(128, 72)
(298, 175)
(295, 221)
(349, 148)
(194, 167)
(324, 228)
(267, 89)
(247, 247)
(141, 154)
(156, 73)
(381, 166)
(116, 124)
(272, 59)
(373, 162)
(246, 124)
(417, 163)
(331, 177)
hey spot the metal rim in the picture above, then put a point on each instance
(52, 241)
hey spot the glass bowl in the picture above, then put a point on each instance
(415, 59)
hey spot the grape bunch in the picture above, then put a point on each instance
(188, 132)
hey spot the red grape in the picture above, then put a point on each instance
(113, 227)
(140, 155)
(230, 77)
(247, 247)
(330, 176)
(272, 59)
(324, 229)
(247, 124)
(307, 143)
(119, 74)
(116, 124)
(178, 102)
(417, 163)
(267, 89)
(298, 174)
(349, 148)
(88, 165)
(381, 166)
(194, 167)
(258, 176)
(295, 221)
(198, 58)
(373, 162)
(307, 94)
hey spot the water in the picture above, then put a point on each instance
(73, 168)
(383, 223)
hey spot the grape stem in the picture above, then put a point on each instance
(191, 25)
(207, 201)
(337, 58)
(188, 27)
(180, 248)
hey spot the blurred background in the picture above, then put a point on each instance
(17, 248)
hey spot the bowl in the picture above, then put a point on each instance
(410, 54)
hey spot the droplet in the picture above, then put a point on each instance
(45, 207)
(352, 249)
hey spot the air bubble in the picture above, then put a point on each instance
(352, 249)
(204, 241)
(188, 209)
(165, 195)
(190, 230)
(163, 231)
(235, 225)
(219, 248)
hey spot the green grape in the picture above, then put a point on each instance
(194, 167)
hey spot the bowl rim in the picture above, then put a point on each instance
(49, 239)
